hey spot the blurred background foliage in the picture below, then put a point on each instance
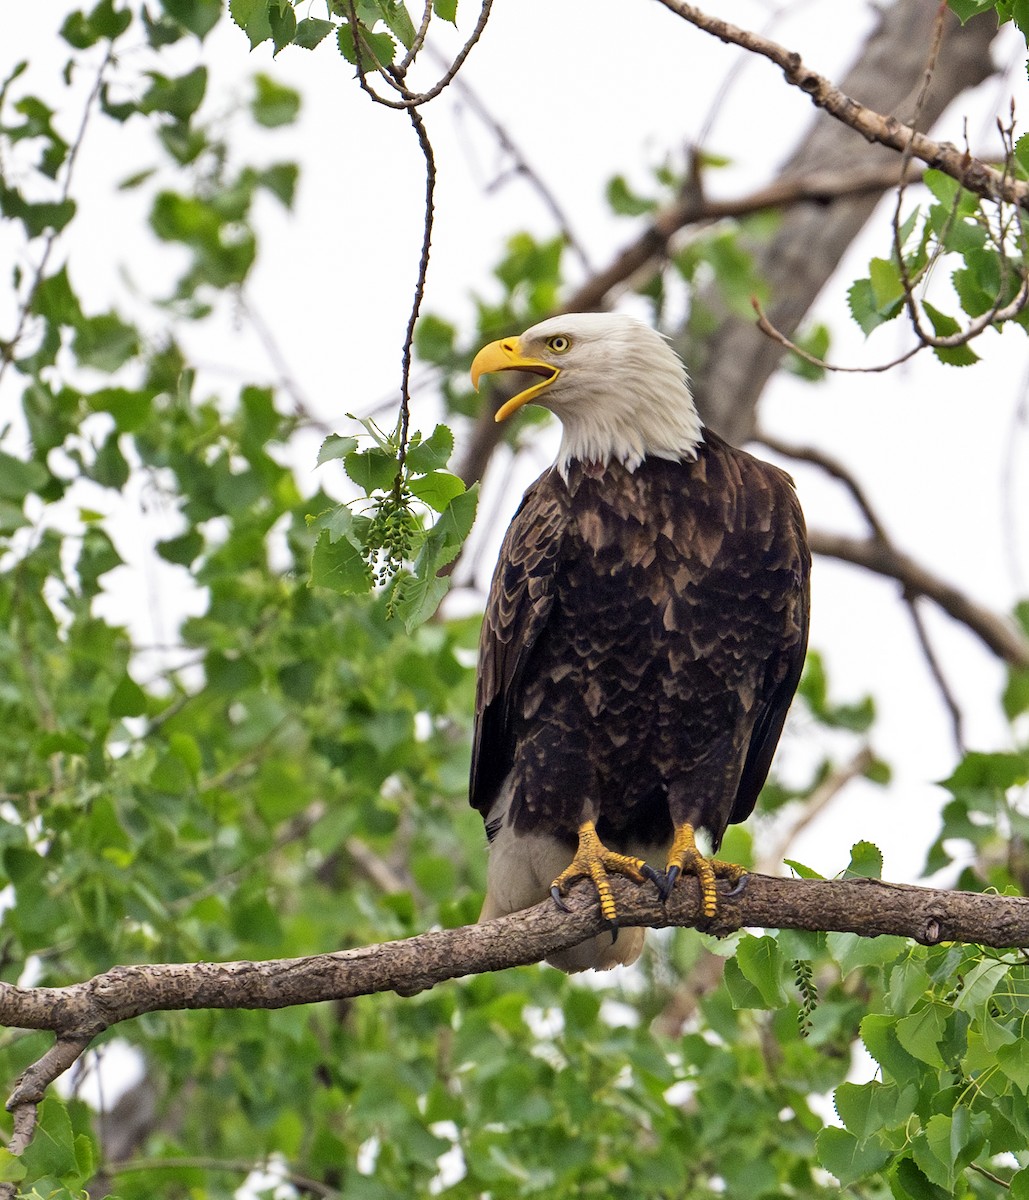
(286, 773)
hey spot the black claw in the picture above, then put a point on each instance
(555, 893)
(614, 932)
(656, 877)
(738, 887)
(665, 887)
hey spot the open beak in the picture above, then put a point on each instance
(506, 355)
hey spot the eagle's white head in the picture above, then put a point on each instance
(619, 389)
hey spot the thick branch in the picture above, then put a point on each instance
(999, 635)
(82, 1011)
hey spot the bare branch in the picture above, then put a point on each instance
(7, 348)
(998, 634)
(970, 172)
(419, 290)
(80, 1012)
(932, 661)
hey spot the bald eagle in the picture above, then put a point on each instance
(644, 635)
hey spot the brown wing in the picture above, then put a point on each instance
(784, 669)
(520, 601)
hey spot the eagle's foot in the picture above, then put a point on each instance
(685, 858)
(594, 861)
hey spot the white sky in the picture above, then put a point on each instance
(587, 89)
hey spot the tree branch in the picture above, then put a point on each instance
(81, 1012)
(999, 635)
(873, 126)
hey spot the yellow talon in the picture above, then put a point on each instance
(593, 860)
(685, 858)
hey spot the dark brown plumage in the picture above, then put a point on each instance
(643, 639)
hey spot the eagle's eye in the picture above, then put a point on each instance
(559, 344)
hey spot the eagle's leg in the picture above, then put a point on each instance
(684, 857)
(593, 861)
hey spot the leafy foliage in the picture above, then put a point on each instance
(283, 772)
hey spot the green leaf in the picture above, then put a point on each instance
(800, 870)
(52, 1148)
(230, 674)
(198, 16)
(761, 963)
(626, 202)
(849, 1159)
(878, 1032)
(252, 17)
(372, 470)
(105, 342)
(12, 1169)
(184, 549)
(398, 21)
(979, 771)
(334, 447)
(179, 96)
(1020, 1185)
(283, 22)
(742, 993)
(1016, 693)
(311, 31)
(433, 453)
(863, 308)
(340, 565)
(273, 103)
(436, 489)
(866, 861)
(850, 951)
(376, 48)
(920, 1033)
(887, 287)
(946, 326)
(1022, 153)
(1014, 1062)
(128, 699)
(281, 180)
(446, 10)
(18, 479)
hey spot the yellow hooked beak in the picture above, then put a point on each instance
(506, 355)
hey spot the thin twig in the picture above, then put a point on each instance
(7, 349)
(522, 165)
(419, 291)
(970, 172)
(769, 330)
(394, 78)
(936, 670)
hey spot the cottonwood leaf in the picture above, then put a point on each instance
(920, 1034)
(847, 1157)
